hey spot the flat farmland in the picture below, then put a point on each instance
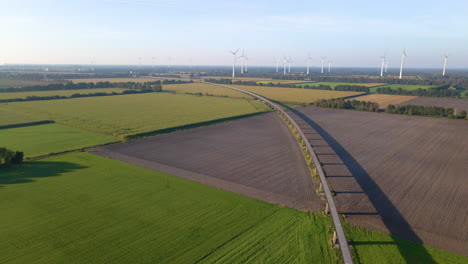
(113, 80)
(402, 86)
(455, 103)
(58, 92)
(397, 174)
(385, 99)
(204, 89)
(255, 156)
(8, 83)
(294, 95)
(334, 84)
(135, 113)
(82, 208)
(49, 138)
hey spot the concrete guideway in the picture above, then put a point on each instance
(339, 232)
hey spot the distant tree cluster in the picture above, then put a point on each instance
(348, 104)
(157, 88)
(91, 85)
(317, 87)
(9, 157)
(354, 88)
(442, 91)
(435, 111)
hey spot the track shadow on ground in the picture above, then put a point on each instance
(28, 171)
(390, 215)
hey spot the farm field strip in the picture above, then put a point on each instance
(333, 84)
(385, 99)
(294, 95)
(204, 89)
(456, 103)
(418, 163)
(58, 92)
(84, 208)
(403, 86)
(44, 139)
(113, 80)
(236, 156)
(139, 113)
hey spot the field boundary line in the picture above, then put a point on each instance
(339, 233)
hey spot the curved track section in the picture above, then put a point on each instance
(339, 232)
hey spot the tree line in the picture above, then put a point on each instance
(78, 95)
(92, 85)
(9, 157)
(347, 104)
(441, 91)
(435, 111)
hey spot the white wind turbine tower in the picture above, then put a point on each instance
(241, 57)
(92, 64)
(445, 64)
(323, 59)
(386, 64)
(403, 56)
(277, 62)
(190, 65)
(289, 64)
(329, 65)
(383, 58)
(284, 65)
(234, 62)
(169, 64)
(309, 59)
(245, 63)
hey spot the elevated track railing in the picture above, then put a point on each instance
(339, 237)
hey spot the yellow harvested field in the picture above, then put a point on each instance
(295, 95)
(113, 80)
(59, 92)
(385, 99)
(205, 89)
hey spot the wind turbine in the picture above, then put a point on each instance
(284, 65)
(234, 62)
(308, 62)
(289, 64)
(383, 65)
(323, 59)
(277, 62)
(386, 64)
(169, 65)
(190, 65)
(92, 64)
(245, 63)
(403, 56)
(329, 65)
(242, 61)
(445, 64)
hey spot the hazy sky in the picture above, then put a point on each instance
(350, 33)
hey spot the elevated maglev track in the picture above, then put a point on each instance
(339, 234)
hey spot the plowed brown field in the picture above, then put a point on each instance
(256, 156)
(384, 99)
(403, 175)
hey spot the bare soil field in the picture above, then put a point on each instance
(455, 103)
(257, 157)
(402, 175)
(384, 99)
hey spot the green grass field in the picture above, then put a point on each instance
(8, 83)
(60, 92)
(204, 89)
(333, 84)
(403, 86)
(49, 138)
(82, 208)
(130, 114)
(294, 95)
